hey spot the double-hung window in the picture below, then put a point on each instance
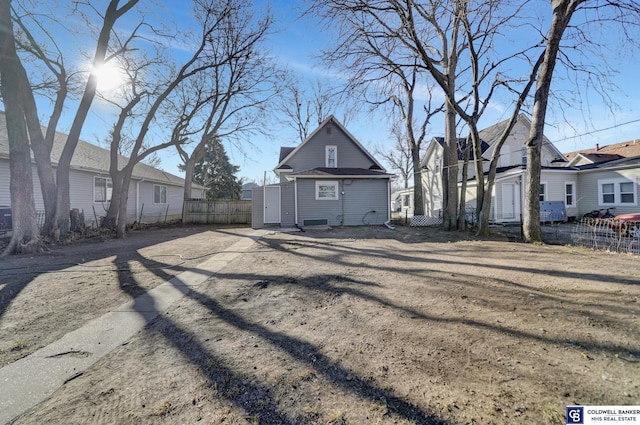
(617, 192)
(570, 194)
(543, 192)
(327, 190)
(102, 189)
(159, 194)
(331, 156)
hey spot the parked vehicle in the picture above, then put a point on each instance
(602, 213)
(627, 224)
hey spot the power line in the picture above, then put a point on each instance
(599, 130)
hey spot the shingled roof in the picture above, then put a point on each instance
(628, 149)
(92, 158)
(342, 172)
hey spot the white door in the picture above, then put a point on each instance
(508, 201)
(271, 204)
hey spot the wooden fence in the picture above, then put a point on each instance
(201, 211)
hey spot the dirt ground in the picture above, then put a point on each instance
(342, 326)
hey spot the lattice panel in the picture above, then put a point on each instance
(423, 220)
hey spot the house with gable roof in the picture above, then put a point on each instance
(154, 195)
(607, 177)
(558, 183)
(329, 179)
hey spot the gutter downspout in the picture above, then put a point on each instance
(295, 201)
(138, 197)
(388, 222)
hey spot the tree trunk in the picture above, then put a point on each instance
(562, 12)
(451, 172)
(63, 201)
(462, 213)
(418, 199)
(110, 220)
(25, 238)
(42, 156)
(121, 229)
(188, 178)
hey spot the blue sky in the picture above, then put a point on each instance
(297, 40)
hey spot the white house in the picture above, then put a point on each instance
(508, 191)
(154, 195)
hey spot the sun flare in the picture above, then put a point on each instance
(110, 76)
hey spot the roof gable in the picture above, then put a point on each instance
(288, 154)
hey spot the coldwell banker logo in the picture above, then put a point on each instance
(575, 415)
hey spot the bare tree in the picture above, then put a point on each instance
(455, 42)
(54, 78)
(55, 185)
(622, 15)
(63, 203)
(397, 155)
(383, 73)
(13, 80)
(303, 109)
(219, 91)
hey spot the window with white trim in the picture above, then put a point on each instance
(159, 194)
(570, 194)
(331, 156)
(437, 165)
(326, 190)
(543, 192)
(524, 156)
(102, 189)
(617, 192)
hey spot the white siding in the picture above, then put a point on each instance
(432, 182)
(588, 189)
(81, 196)
(5, 197)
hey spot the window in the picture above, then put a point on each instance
(524, 156)
(159, 194)
(407, 200)
(327, 190)
(570, 194)
(627, 195)
(543, 192)
(331, 156)
(437, 166)
(102, 189)
(616, 192)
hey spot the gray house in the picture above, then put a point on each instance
(329, 179)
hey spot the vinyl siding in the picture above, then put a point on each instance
(144, 203)
(257, 207)
(432, 183)
(588, 190)
(312, 154)
(5, 196)
(287, 205)
(365, 202)
(556, 187)
(361, 201)
(81, 194)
